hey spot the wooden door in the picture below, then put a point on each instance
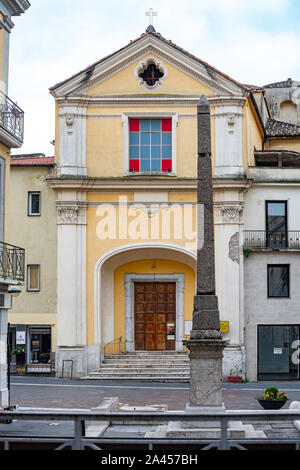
(155, 315)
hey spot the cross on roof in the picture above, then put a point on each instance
(151, 14)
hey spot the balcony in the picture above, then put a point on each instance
(263, 240)
(12, 264)
(11, 122)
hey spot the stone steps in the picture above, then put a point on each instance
(144, 366)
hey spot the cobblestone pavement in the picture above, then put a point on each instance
(61, 393)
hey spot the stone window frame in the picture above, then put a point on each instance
(126, 116)
(129, 280)
(144, 65)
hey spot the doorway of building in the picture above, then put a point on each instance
(275, 352)
(155, 316)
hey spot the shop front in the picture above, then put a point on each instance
(30, 349)
(277, 352)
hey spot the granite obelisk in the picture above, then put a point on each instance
(206, 343)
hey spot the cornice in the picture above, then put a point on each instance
(131, 100)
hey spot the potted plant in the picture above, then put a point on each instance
(272, 400)
(235, 376)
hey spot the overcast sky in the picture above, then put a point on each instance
(253, 41)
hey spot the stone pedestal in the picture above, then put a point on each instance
(206, 346)
(206, 372)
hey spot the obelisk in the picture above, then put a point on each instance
(206, 343)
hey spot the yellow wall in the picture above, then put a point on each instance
(290, 143)
(146, 267)
(105, 137)
(124, 82)
(97, 247)
(2, 40)
(252, 134)
(5, 153)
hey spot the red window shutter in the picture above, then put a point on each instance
(166, 165)
(166, 125)
(134, 165)
(134, 125)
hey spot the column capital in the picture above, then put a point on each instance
(71, 213)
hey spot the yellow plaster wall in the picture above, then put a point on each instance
(146, 267)
(252, 134)
(292, 144)
(97, 247)
(125, 82)
(5, 153)
(2, 33)
(105, 140)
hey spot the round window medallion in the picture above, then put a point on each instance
(150, 73)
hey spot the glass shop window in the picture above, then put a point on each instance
(40, 345)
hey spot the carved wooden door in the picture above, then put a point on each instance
(155, 315)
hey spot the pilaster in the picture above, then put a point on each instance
(71, 281)
(228, 117)
(229, 205)
(72, 141)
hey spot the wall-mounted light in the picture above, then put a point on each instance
(14, 291)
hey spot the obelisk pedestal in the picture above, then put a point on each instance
(206, 346)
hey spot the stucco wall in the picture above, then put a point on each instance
(259, 309)
(38, 236)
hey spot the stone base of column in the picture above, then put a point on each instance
(206, 346)
(206, 375)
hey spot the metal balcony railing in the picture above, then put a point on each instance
(261, 239)
(11, 117)
(12, 262)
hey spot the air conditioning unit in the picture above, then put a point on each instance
(5, 301)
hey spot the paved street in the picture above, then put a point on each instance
(62, 393)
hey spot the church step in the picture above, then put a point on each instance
(145, 361)
(144, 370)
(139, 375)
(145, 366)
(166, 378)
(141, 372)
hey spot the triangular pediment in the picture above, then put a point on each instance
(116, 74)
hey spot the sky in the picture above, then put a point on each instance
(253, 41)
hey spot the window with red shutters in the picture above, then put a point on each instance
(150, 145)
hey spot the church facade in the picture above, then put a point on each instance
(126, 193)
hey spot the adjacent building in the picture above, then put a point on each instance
(11, 137)
(34, 226)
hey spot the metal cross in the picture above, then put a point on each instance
(151, 13)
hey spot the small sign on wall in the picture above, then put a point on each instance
(224, 326)
(171, 331)
(188, 327)
(277, 351)
(20, 337)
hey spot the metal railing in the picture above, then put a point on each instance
(12, 262)
(11, 117)
(261, 239)
(77, 439)
(111, 344)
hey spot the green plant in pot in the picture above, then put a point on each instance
(272, 399)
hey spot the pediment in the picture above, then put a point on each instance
(116, 74)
